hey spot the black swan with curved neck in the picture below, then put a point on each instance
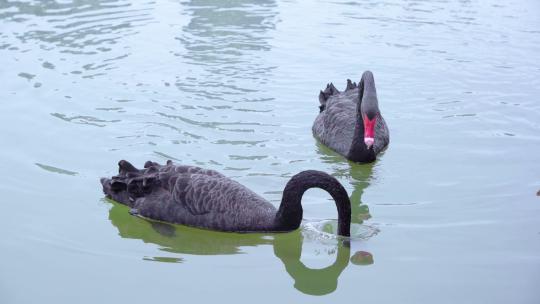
(350, 122)
(204, 198)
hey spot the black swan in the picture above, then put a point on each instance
(350, 122)
(204, 198)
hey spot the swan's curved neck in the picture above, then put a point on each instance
(367, 101)
(290, 212)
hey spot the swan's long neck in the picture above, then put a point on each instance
(366, 94)
(290, 211)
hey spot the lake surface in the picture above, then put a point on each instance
(448, 214)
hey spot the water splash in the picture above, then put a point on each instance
(326, 230)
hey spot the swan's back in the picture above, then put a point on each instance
(190, 196)
(334, 126)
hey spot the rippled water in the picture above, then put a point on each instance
(449, 213)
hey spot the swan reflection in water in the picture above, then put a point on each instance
(360, 177)
(179, 239)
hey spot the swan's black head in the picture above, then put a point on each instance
(370, 113)
(369, 107)
(115, 190)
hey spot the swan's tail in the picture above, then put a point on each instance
(331, 90)
(125, 167)
(351, 85)
(324, 95)
(131, 183)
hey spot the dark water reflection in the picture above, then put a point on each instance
(359, 176)
(288, 248)
(191, 241)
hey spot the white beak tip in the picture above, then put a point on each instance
(369, 141)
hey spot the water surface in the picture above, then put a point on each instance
(448, 214)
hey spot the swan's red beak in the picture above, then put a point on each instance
(369, 131)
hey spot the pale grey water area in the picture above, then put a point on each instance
(448, 214)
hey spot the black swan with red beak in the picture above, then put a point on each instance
(204, 198)
(350, 122)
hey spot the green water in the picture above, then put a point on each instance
(448, 214)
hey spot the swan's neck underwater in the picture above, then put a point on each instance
(289, 214)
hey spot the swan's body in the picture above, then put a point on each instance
(350, 122)
(205, 198)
